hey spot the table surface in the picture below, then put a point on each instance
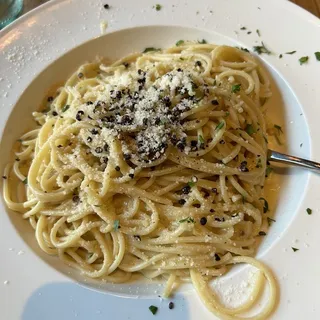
(311, 5)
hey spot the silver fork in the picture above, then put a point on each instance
(284, 158)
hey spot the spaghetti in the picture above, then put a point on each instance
(154, 165)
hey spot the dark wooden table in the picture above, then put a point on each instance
(311, 5)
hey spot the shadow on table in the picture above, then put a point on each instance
(65, 301)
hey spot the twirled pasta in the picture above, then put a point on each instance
(155, 165)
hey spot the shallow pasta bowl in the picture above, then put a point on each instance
(289, 194)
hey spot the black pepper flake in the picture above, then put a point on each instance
(131, 175)
(182, 201)
(88, 103)
(117, 168)
(80, 75)
(215, 102)
(171, 305)
(197, 205)
(94, 131)
(243, 167)
(59, 146)
(179, 70)
(126, 64)
(212, 210)
(54, 113)
(127, 156)
(137, 238)
(17, 159)
(222, 142)
(105, 160)
(214, 190)
(203, 221)
(79, 115)
(198, 63)
(89, 139)
(186, 189)
(76, 199)
(4, 177)
(98, 150)
(206, 194)
(106, 6)
(217, 257)
(106, 147)
(50, 99)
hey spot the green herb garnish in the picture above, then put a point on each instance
(65, 108)
(262, 233)
(280, 56)
(265, 205)
(278, 128)
(220, 125)
(317, 54)
(259, 164)
(291, 52)
(261, 49)
(227, 113)
(188, 220)
(158, 7)
(20, 140)
(191, 184)
(149, 49)
(250, 129)
(309, 211)
(116, 225)
(268, 171)
(179, 43)
(303, 60)
(270, 220)
(200, 138)
(203, 41)
(25, 181)
(243, 28)
(235, 88)
(294, 249)
(153, 309)
(258, 32)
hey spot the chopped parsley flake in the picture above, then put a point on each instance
(250, 129)
(265, 205)
(278, 128)
(191, 184)
(201, 140)
(294, 249)
(262, 233)
(179, 43)
(291, 52)
(309, 211)
(303, 60)
(235, 88)
(268, 171)
(158, 7)
(188, 220)
(270, 220)
(149, 49)
(280, 56)
(65, 108)
(116, 225)
(220, 125)
(243, 28)
(258, 32)
(25, 181)
(317, 54)
(261, 49)
(153, 309)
